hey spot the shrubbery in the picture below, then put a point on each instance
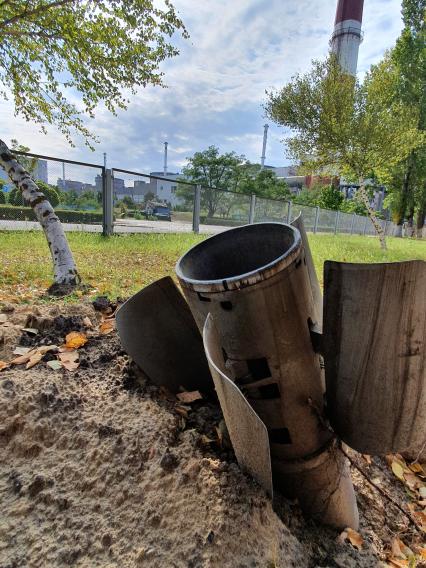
(15, 196)
(8, 212)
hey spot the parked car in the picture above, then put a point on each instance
(159, 210)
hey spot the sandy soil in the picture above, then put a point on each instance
(100, 468)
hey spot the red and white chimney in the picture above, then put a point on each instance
(347, 34)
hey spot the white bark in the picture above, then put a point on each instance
(65, 270)
(379, 229)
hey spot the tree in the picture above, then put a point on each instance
(212, 171)
(149, 196)
(2, 194)
(343, 126)
(408, 181)
(49, 48)
(51, 194)
(65, 270)
(262, 183)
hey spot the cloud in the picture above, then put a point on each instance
(216, 86)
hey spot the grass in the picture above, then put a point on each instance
(121, 265)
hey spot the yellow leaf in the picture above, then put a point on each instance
(75, 339)
(352, 536)
(398, 471)
(3, 365)
(107, 326)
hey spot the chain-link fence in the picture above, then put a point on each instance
(90, 197)
(75, 190)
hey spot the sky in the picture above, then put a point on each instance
(237, 50)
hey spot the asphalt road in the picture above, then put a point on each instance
(121, 226)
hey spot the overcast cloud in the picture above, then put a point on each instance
(216, 86)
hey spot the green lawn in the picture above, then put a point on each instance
(121, 265)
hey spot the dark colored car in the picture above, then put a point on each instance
(160, 211)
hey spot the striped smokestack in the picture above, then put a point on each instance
(347, 33)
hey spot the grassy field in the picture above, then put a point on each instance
(122, 265)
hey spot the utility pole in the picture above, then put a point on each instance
(265, 138)
(105, 160)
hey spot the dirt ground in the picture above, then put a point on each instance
(100, 468)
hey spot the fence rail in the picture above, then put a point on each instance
(93, 198)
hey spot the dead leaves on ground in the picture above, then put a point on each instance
(75, 339)
(67, 356)
(413, 476)
(349, 535)
(403, 556)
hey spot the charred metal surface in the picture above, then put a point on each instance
(158, 331)
(374, 351)
(248, 433)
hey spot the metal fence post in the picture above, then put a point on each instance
(289, 212)
(352, 223)
(107, 204)
(316, 219)
(252, 208)
(197, 209)
(336, 221)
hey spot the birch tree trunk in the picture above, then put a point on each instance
(372, 215)
(65, 270)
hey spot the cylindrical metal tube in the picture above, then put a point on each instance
(255, 283)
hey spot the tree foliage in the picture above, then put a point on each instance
(51, 193)
(50, 49)
(407, 181)
(341, 125)
(232, 172)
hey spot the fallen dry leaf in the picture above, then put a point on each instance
(75, 339)
(24, 358)
(4, 365)
(69, 360)
(43, 349)
(400, 549)
(107, 326)
(398, 470)
(352, 536)
(416, 467)
(182, 411)
(399, 562)
(367, 458)
(34, 359)
(87, 321)
(190, 396)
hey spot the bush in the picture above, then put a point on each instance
(2, 197)
(8, 212)
(15, 196)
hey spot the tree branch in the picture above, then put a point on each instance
(36, 12)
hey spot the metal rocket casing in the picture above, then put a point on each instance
(347, 34)
(258, 292)
(255, 284)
